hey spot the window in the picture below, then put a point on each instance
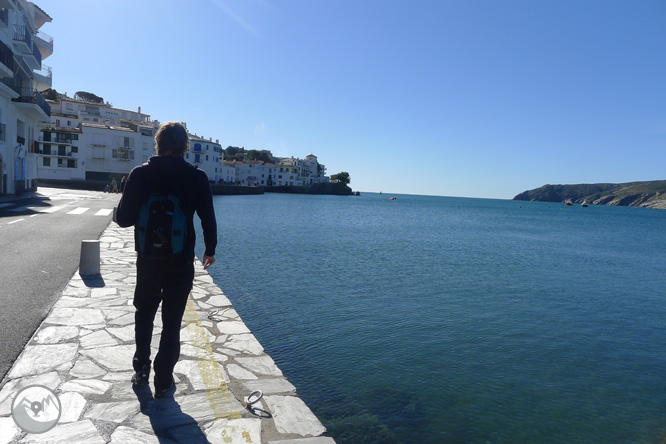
(206, 156)
(57, 122)
(47, 136)
(197, 147)
(47, 148)
(75, 137)
(75, 149)
(69, 123)
(71, 163)
(61, 150)
(61, 162)
(197, 157)
(47, 162)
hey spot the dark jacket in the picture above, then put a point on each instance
(170, 174)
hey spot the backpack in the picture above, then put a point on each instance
(162, 226)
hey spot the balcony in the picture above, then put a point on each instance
(22, 38)
(44, 78)
(33, 58)
(45, 44)
(7, 63)
(29, 100)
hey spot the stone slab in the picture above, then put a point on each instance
(270, 386)
(291, 415)
(38, 359)
(234, 431)
(72, 405)
(75, 432)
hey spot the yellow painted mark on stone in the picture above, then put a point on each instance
(212, 374)
(247, 437)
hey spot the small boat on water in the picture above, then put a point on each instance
(584, 204)
(392, 198)
(568, 202)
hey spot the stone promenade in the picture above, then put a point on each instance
(83, 352)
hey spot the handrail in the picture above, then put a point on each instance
(44, 36)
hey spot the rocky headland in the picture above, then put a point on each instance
(649, 194)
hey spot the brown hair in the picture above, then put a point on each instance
(171, 140)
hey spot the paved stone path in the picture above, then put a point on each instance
(83, 351)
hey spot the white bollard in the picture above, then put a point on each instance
(89, 263)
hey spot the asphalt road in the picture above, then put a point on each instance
(40, 244)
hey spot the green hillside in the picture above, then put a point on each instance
(650, 194)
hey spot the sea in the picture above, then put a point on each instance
(430, 319)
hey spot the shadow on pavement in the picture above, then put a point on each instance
(93, 280)
(165, 415)
(8, 208)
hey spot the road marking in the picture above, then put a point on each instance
(104, 212)
(52, 209)
(14, 221)
(79, 210)
(6, 205)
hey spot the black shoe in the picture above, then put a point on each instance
(141, 377)
(166, 392)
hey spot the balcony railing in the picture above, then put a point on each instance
(28, 95)
(7, 56)
(46, 71)
(3, 132)
(44, 36)
(21, 34)
(37, 54)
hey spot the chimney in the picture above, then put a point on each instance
(139, 110)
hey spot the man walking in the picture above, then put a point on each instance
(169, 280)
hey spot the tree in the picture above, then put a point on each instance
(342, 177)
(88, 97)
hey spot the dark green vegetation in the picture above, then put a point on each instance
(342, 177)
(650, 194)
(241, 154)
(88, 97)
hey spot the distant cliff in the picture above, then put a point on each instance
(650, 194)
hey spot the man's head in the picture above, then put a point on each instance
(171, 140)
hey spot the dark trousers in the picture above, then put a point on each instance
(170, 283)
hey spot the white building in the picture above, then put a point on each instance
(207, 155)
(23, 109)
(93, 141)
(228, 172)
(286, 172)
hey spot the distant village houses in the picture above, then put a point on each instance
(95, 142)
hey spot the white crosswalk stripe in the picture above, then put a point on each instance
(51, 209)
(79, 210)
(104, 212)
(46, 209)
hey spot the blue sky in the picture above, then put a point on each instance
(454, 98)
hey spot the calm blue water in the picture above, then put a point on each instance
(452, 320)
